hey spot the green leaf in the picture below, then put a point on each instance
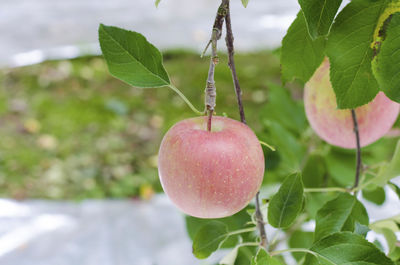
(392, 223)
(131, 58)
(245, 255)
(300, 239)
(157, 2)
(395, 188)
(281, 107)
(390, 170)
(245, 2)
(376, 195)
(391, 239)
(287, 203)
(263, 258)
(338, 215)
(290, 151)
(340, 166)
(230, 258)
(319, 15)
(234, 222)
(379, 245)
(387, 62)
(300, 55)
(314, 171)
(395, 255)
(347, 248)
(361, 230)
(315, 200)
(350, 53)
(209, 238)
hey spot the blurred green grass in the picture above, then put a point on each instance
(68, 130)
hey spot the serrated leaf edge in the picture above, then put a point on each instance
(102, 28)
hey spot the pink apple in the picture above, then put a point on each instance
(210, 174)
(336, 126)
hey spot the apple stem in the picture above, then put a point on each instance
(210, 113)
(358, 153)
(231, 63)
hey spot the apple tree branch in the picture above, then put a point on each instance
(231, 62)
(211, 91)
(358, 154)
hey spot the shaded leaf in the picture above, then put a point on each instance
(314, 171)
(300, 55)
(209, 238)
(387, 62)
(376, 195)
(300, 239)
(361, 230)
(338, 215)
(379, 245)
(390, 170)
(395, 188)
(290, 149)
(392, 223)
(245, 255)
(234, 222)
(263, 258)
(230, 258)
(341, 167)
(395, 255)
(391, 239)
(281, 107)
(315, 200)
(131, 58)
(287, 203)
(350, 53)
(347, 248)
(319, 15)
(157, 2)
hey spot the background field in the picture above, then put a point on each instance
(69, 130)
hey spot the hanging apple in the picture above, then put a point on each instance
(210, 174)
(336, 126)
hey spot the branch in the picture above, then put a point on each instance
(211, 91)
(260, 223)
(231, 62)
(358, 154)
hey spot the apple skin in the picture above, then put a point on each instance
(336, 126)
(210, 174)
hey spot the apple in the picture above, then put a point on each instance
(210, 174)
(336, 126)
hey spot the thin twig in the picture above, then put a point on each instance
(358, 154)
(260, 223)
(211, 91)
(231, 62)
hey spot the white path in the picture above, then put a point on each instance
(112, 232)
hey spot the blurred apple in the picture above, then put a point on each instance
(336, 126)
(210, 174)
